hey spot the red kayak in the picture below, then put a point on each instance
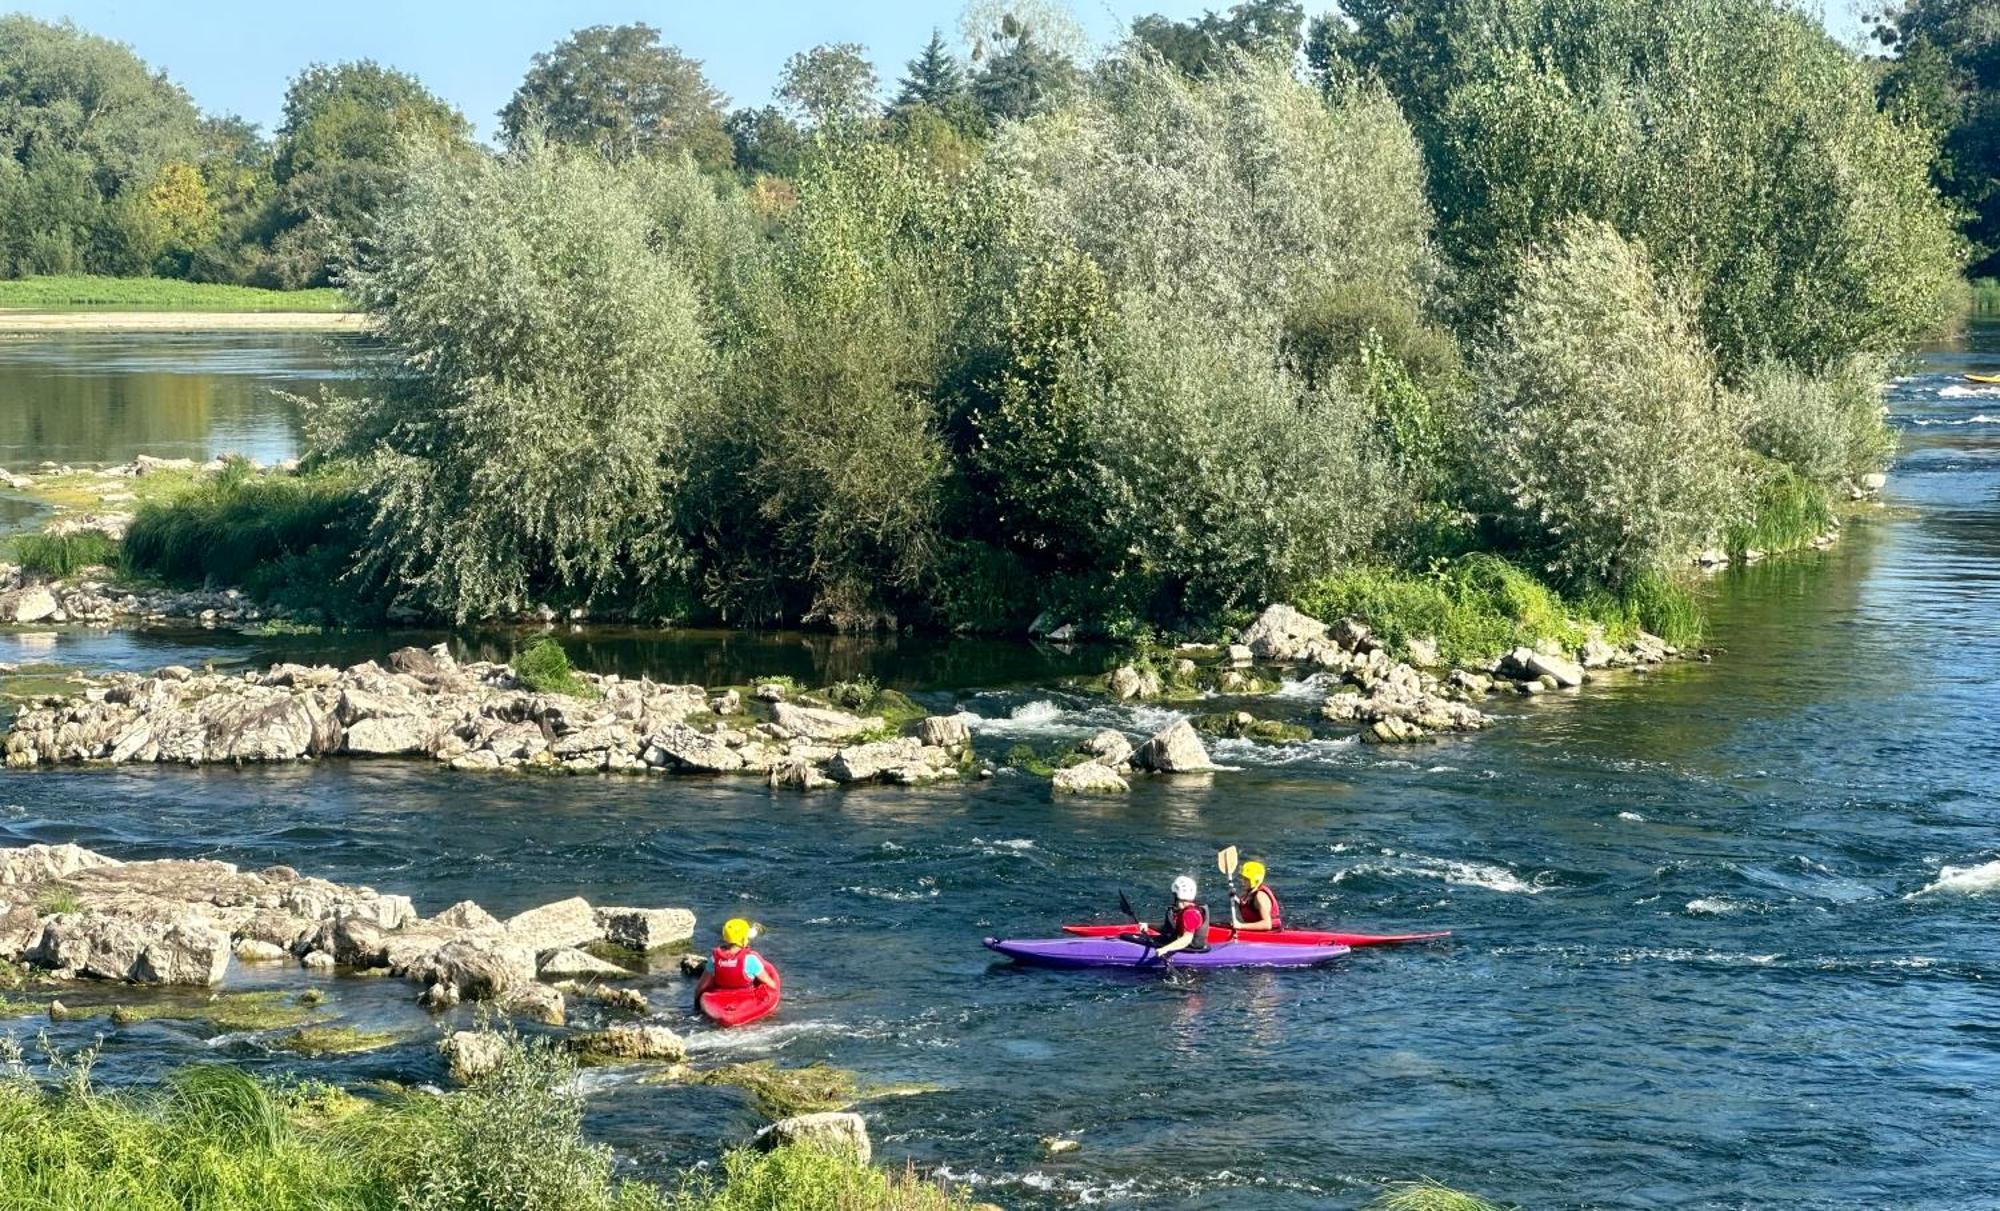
(741, 1006)
(1294, 937)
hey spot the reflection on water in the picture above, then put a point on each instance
(105, 397)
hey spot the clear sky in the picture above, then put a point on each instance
(235, 56)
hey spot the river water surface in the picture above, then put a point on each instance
(1707, 953)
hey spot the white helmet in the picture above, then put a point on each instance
(1184, 888)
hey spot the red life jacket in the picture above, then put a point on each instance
(728, 966)
(1191, 918)
(1248, 905)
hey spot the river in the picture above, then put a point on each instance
(1701, 958)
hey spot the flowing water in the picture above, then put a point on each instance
(1724, 935)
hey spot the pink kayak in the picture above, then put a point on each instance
(1281, 937)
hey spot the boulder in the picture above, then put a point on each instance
(1108, 747)
(466, 915)
(798, 775)
(473, 968)
(36, 863)
(1596, 654)
(1423, 652)
(149, 944)
(1176, 750)
(837, 1133)
(253, 950)
(1281, 633)
(821, 723)
(1392, 730)
(1089, 778)
(1240, 654)
(1127, 682)
(417, 662)
(535, 1002)
(282, 729)
(569, 922)
(32, 604)
(569, 963)
(646, 928)
(903, 760)
(472, 1055)
(1874, 481)
(387, 736)
(945, 731)
(633, 1042)
(680, 747)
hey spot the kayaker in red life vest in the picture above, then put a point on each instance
(1186, 926)
(1257, 910)
(733, 965)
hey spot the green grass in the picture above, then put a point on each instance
(1787, 511)
(80, 293)
(287, 540)
(267, 1009)
(59, 900)
(1428, 1195)
(1985, 296)
(544, 668)
(215, 1138)
(782, 1092)
(334, 1040)
(1477, 606)
(63, 555)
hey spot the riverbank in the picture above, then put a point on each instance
(27, 323)
(81, 293)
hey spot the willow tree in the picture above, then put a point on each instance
(525, 439)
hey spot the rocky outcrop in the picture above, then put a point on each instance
(1107, 747)
(1127, 682)
(473, 1055)
(471, 716)
(634, 1042)
(837, 1133)
(1177, 749)
(76, 913)
(1088, 778)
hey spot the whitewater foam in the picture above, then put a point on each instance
(1962, 881)
(1455, 872)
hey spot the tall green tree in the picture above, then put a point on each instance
(1265, 28)
(1024, 59)
(85, 130)
(1946, 75)
(340, 156)
(933, 78)
(622, 91)
(830, 86)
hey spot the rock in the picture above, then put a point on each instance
(569, 962)
(635, 1042)
(1128, 682)
(691, 965)
(473, 1055)
(466, 915)
(1354, 635)
(357, 943)
(1175, 750)
(32, 604)
(770, 691)
(476, 969)
(1107, 747)
(1068, 632)
(36, 863)
(905, 760)
(1596, 654)
(646, 928)
(626, 1000)
(251, 950)
(1240, 655)
(798, 775)
(822, 723)
(154, 942)
(1089, 778)
(1874, 481)
(944, 731)
(1281, 633)
(317, 960)
(728, 702)
(681, 747)
(1056, 1145)
(418, 662)
(569, 922)
(837, 1133)
(1392, 730)
(1423, 652)
(535, 1002)
(1567, 673)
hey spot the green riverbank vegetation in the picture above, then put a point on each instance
(216, 1138)
(85, 293)
(1490, 296)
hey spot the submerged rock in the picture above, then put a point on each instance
(1088, 778)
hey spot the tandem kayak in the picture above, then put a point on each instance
(1111, 952)
(1280, 937)
(1987, 379)
(741, 1006)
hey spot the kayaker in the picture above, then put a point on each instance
(733, 965)
(1256, 911)
(1186, 926)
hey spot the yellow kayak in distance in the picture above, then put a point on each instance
(1990, 380)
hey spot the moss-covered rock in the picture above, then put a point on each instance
(1241, 725)
(782, 1092)
(334, 1040)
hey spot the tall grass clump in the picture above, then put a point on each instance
(1474, 607)
(1428, 1195)
(60, 555)
(543, 667)
(287, 539)
(1786, 511)
(793, 1179)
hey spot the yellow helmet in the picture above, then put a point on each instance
(736, 931)
(1252, 872)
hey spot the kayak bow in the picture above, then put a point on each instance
(1112, 952)
(1280, 937)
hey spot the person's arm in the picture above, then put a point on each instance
(762, 973)
(1180, 943)
(1263, 922)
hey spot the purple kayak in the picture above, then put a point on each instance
(1111, 952)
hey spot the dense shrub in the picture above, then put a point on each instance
(1828, 427)
(1613, 446)
(527, 440)
(1785, 511)
(544, 668)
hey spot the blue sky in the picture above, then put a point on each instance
(235, 56)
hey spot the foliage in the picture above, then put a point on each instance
(830, 86)
(853, 695)
(1830, 428)
(765, 142)
(544, 668)
(290, 540)
(1265, 28)
(341, 156)
(934, 78)
(1942, 77)
(61, 555)
(1786, 511)
(1428, 1195)
(86, 131)
(622, 92)
(1734, 138)
(523, 441)
(798, 1179)
(1024, 57)
(157, 294)
(1611, 446)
